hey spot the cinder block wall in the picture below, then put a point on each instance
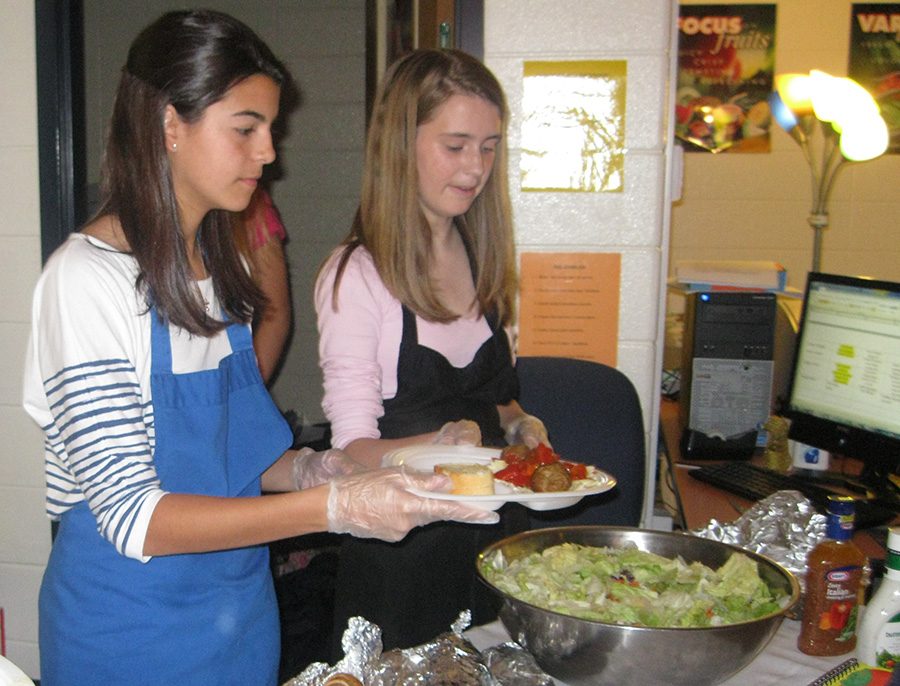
(24, 529)
(634, 222)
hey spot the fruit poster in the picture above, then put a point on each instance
(875, 59)
(726, 64)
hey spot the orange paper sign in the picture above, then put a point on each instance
(569, 305)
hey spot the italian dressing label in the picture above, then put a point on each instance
(839, 609)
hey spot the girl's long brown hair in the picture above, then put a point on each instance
(390, 223)
(188, 59)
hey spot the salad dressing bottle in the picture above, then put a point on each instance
(834, 576)
(879, 630)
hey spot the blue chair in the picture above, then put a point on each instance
(593, 415)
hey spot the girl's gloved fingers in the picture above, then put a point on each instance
(426, 481)
(528, 430)
(434, 509)
(462, 432)
(377, 504)
(459, 512)
(534, 433)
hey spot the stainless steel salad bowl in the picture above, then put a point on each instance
(581, 651)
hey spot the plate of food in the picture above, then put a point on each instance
(487, 478)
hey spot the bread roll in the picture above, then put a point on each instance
(468, 479)
(342, 679)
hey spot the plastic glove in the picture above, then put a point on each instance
(312, 469)
(377, 504)
(528, 430)
(463, 432)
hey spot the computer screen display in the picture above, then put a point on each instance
(844, 392)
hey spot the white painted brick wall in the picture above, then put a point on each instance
(633, 222)
(24, 529)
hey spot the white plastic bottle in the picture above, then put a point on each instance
(878, 638)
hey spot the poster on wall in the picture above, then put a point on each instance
(573, 126)
(726, 64)
(875, 59)
(569, 305)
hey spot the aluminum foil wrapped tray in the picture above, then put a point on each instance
(449, 660)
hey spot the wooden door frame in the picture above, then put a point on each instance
(422, 30)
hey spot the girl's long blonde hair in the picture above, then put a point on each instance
(390, 223)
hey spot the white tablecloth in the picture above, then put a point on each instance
(778, 664)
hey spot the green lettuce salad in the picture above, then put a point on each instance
(630, 586)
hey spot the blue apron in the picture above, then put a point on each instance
(206, 618)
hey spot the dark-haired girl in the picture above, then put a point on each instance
(160, 436)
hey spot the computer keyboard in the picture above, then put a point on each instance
(755, 483)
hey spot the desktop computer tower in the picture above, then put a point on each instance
(726, 373)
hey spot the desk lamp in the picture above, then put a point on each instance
(850, 129)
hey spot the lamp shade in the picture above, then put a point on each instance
(781, 112)
(794, 90)
(839, 101)
(864, 139)
(850, 128)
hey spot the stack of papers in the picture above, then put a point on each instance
(723, 275)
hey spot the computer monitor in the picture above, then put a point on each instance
(844, 391)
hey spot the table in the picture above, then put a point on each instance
(778, 664)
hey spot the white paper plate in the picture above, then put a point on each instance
(423, 458)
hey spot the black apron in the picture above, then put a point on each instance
(415, 589)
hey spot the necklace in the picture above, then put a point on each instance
(200, 294)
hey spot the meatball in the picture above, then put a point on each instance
(549, 478)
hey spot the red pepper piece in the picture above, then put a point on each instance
(515, 475)
(576, 470)
(542, 454)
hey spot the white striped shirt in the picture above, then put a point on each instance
(87, 385)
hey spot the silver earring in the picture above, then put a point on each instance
(174, 147)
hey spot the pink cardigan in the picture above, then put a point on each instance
(360, 342)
